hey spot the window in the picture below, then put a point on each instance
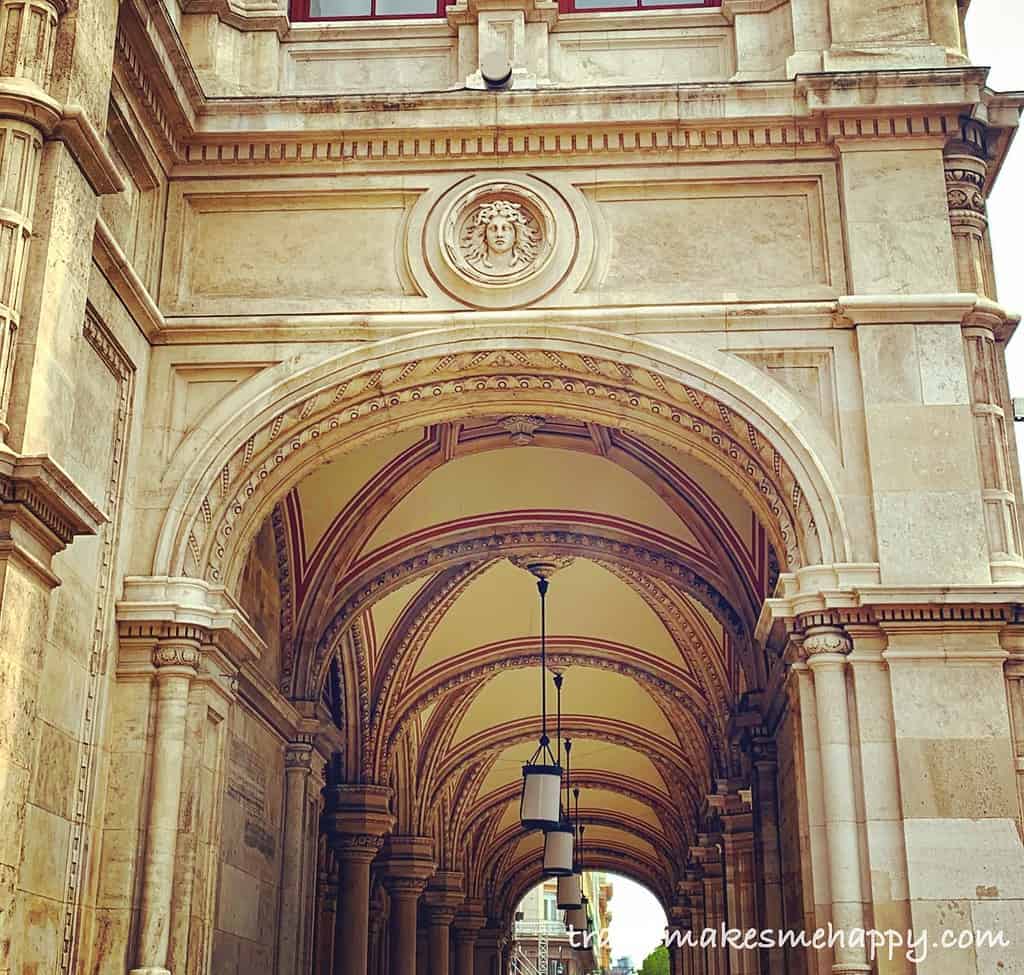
(594, 6)
(363, 9)
(550, 907)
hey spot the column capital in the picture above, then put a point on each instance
(408, 863)
(440, 914)
(298, 754)
(176, 655)
(444, 892)
(471, 916)
(356, 847)
(358, 811)
(825, 644)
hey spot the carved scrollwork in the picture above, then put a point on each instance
(176, 655)
(826, 640)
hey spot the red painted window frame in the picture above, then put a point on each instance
(300, 10)
(569, 7)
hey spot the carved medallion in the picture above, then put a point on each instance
(499, 242)
(498, 234)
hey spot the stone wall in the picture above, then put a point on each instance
(249, 870)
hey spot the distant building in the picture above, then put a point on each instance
(542, 941)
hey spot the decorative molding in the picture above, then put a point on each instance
(821, 641)
(521, 427)
(126, 283)
(38, 487)
(89, 149)
(157, 605)
(121, 367)
(175, 655)
(331, 413)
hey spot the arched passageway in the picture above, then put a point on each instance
(405, 614)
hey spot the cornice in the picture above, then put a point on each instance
(906, 608)
(268, 18)
(161, 599)
(77, 132)
(38, 487)
(364, 130)
(124, 279)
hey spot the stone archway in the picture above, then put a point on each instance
(273, 431)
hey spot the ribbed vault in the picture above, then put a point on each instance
(403, 613)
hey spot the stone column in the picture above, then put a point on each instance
(297, 766)
(408, 862)
(468, 923)
(680, 926)
(816, 882)
(28, 41)
(439, 933)
(355, 820)
(740, 881)
(886, 842)
(175, 663)
(695, 962)
(966, 166)
(488, 951)
(443, 898)
(1012, 640)
(826, 649)
(766, 823)
(40, 514)
(328, 906)
(709, 855)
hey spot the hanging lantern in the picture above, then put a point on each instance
(540, 806)
(558, 842)
(570, 887)
(578, 920)
(558, 851)
(570, 892)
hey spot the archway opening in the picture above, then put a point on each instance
(402, 615)
(627, 924)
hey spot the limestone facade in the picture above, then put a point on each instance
(304, 330)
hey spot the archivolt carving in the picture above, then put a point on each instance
(285, 445)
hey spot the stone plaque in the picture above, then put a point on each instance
(247, 778)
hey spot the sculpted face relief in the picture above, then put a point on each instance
(499, 237)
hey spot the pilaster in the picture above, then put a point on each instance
(732, 801)
(41, 512)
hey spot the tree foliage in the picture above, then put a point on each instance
(656, 963)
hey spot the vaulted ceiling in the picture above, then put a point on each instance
(404, 604)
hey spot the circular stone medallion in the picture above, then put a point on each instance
(498, 234)
(500, 243)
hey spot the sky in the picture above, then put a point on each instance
(638, 921)
(995, 38)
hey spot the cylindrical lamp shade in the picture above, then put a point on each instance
(541, 806)
(576, 920)
(570, 892)
(558, 859)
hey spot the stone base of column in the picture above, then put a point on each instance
(851, 968)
